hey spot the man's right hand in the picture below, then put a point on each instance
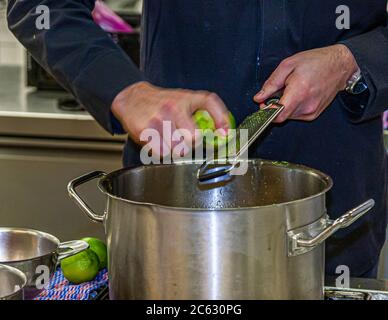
(144, 106)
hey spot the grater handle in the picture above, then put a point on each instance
(275, 99)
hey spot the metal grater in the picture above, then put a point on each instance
(256, 123)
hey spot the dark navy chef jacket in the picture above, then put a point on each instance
(231, 47)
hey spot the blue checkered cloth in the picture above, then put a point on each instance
(61, 289)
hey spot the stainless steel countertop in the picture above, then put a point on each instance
(27, 112)
(362, 284)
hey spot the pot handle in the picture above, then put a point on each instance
(74, 184)
(71, 248)
(307, 238)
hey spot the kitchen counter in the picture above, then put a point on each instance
(27, 112)
(362, 284)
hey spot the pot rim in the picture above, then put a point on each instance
(324, 177)
(19, 274)
(34, 232)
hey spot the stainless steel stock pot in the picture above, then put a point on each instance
(257, 236)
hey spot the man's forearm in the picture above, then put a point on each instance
(76, 51)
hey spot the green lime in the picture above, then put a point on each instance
(205, 122)
(82, 267)
(99, 248)
(232, 121)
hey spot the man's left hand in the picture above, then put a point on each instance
(311, 80)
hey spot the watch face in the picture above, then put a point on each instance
(360, 87)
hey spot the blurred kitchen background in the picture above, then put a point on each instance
(46, 139)
(12, 53)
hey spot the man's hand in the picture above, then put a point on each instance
(144, 106)
(311, 80)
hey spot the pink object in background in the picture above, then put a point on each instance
(109, 20)
(385, 120)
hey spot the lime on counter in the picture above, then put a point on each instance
(82, 267)
(99, 248)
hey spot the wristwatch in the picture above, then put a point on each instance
(356, 84)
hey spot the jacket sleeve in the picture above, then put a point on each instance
(371, 52)
(77, 52)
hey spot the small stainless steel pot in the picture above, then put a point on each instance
(36, 254)
(12, 282)
(257, 236)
